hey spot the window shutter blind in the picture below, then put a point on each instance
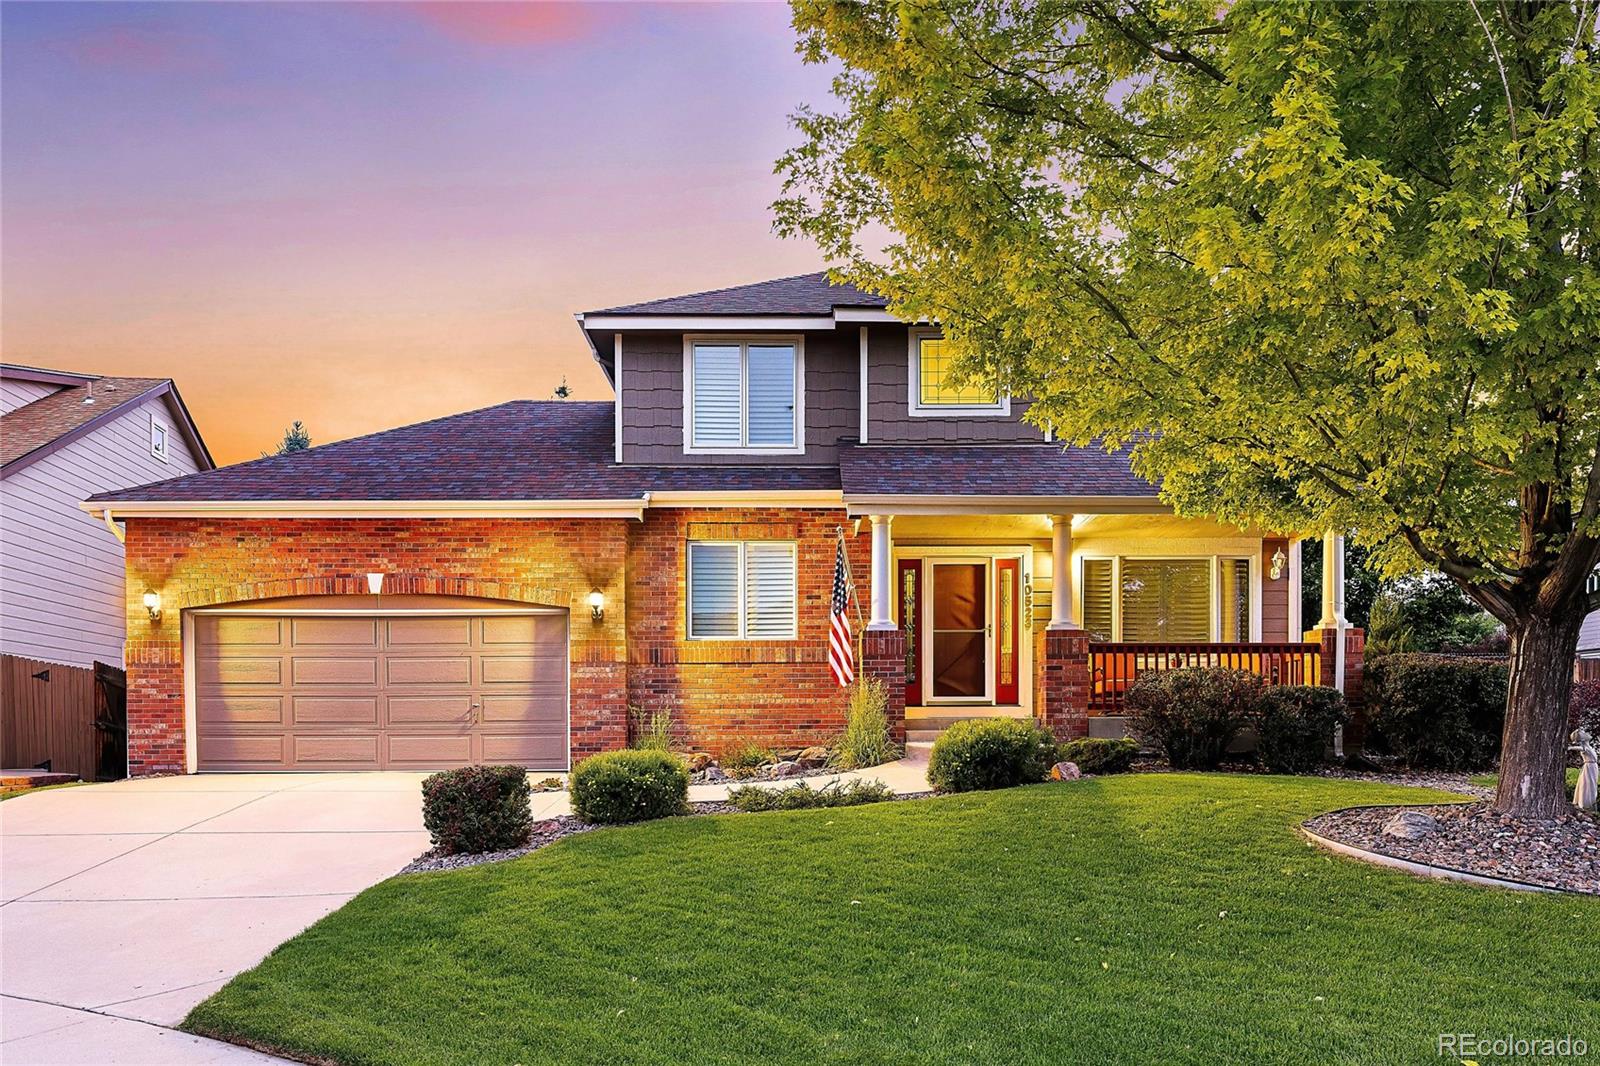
(1166, 600)
(716, 395)
(1097, 598)
(713, 590)
(770, 369)
(769, 590)
(1234, 581)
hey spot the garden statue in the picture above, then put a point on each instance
(1583, 797)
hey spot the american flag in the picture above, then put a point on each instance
(841, 649)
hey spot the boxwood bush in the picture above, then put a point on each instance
(984, 753)
(1096, 755)
(1437, 711)
(630, 786)
(477, 808)
(1294, 727)
(1193, 714)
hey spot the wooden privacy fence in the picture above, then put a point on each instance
(1586, 670)
(1113, 667)
(72, 717)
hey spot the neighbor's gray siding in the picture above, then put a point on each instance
(15, 394)
(889, 418)
(652, 400)
(61, 571)
(1589, 637)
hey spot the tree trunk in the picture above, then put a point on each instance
(1533, 746)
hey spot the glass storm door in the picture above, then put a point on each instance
(958, 631)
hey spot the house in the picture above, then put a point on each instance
(506, 584)
(65, 436)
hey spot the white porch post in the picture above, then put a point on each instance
(1061, 605)
(882, 576)
(1297, 629)
(1332, 582)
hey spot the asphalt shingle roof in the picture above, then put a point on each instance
(40, 423)
(803, 294)
(987, 470)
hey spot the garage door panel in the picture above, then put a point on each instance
(240, 671)
(450, 670)
(409, 710)
(365, 691)
(253, 710)
(330, 710)
(225, 632)
(523, 669)
(243, 752)
(309, 670)
(311, 632)
(443, 632)
(431, 750)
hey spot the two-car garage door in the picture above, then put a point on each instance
(341, 691)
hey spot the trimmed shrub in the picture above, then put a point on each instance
(1586, 706)
(477, 808)
(1437, 711)
(1193, 714)
(866, 740)
(982, 753)
(629, 786)
(1094, 755)
(802, 796)
(1294, 727)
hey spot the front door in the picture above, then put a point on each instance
(959, 631)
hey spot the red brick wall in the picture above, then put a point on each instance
(883, 655)
(719, 691)
(202, 562)
(1066, 683)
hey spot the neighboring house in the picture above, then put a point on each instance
(64, 437)
(510, 583)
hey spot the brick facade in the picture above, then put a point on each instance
(883, 656)
(638, 656)
(1065, 680)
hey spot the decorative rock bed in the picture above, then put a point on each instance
(1452, 839)
(790, 765)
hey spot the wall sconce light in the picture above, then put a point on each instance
(597, 606)
(1278, 560)
(375, 583)
(152, 603)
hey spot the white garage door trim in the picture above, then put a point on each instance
(191, 730)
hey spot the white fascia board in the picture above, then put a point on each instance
(863, 314)
(625, 508)
(708, 323)
(937, 504)
(754, 498)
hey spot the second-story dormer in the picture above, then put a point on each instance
(779, 372)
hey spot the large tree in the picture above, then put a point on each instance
(1327, 266)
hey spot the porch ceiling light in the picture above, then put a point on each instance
(375, 584)
(152, 603)
(1278, 561)
(597, 606)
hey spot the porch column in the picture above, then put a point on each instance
(1343, 645)
(1332, 582)
(882, 577)
(1061, 606)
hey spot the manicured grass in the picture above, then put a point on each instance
(1156, 918)
(1491, 780)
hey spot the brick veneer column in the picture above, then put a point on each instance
(1355, 654)
(883, 655)
(1066, 683)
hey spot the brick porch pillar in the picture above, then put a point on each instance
(883, 656)
(1355, 655)
(1066, 683)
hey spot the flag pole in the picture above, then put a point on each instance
(850, 576)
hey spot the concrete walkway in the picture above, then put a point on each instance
(123, 905)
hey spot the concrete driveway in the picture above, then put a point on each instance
(123, 905)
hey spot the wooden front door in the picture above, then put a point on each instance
(959, 630)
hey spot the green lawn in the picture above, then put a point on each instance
(1154, 918)
(1491, 780)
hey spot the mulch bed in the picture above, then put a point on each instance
(1562, 853)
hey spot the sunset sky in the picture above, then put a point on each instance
(361, 215)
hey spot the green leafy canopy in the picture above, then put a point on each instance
(1322, 265)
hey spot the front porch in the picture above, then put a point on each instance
(1054, 616)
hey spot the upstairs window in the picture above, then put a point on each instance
(742, 590)
(743, 395)
(158, 438)
(934, 392)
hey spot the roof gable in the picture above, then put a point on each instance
(803, 294)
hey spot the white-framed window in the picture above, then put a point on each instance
(743, 589)
(1184, 599)
(743, 394)
(159, 435)
(932, 392)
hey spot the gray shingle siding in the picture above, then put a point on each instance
(889, 403)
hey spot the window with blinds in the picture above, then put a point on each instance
(743, 395)
(1166, 600)
(1097, 596)
(744, 589)
(1233, 585)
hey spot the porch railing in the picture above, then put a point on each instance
(1113, 667)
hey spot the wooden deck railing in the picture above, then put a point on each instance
(1113, 668)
